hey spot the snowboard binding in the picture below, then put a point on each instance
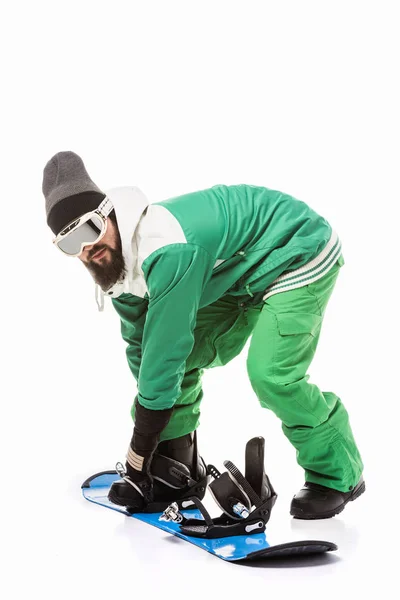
(173, 481)
(246, 501)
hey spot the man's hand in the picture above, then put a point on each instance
(146, 433)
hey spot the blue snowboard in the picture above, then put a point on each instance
(234, 548)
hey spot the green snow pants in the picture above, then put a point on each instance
(285, 330)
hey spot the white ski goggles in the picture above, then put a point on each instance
(84, 231)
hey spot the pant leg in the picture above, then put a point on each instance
(315, 422)
(222, 330)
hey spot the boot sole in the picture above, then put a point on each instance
(121, 501)
(297, 513)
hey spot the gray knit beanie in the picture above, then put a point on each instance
(68, 190)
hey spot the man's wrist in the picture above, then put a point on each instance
(146, 434)
(150, 422)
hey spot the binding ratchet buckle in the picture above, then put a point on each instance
(171, 513)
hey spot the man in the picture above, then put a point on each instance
(192, 278)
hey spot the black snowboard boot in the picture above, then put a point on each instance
(316, 501)
(177, 472)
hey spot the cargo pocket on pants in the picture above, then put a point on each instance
(296, 323)
(295, 345)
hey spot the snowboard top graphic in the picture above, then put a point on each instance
(234, 548)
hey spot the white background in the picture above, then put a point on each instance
(174, 97)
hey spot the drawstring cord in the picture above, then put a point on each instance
(99, 295)
(249, 291)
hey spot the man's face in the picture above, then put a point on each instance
(105, 260)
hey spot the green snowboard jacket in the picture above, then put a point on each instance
(186, 252)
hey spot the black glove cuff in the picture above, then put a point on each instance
(146, 434)
(150, 422)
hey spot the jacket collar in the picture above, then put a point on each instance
(129, 204)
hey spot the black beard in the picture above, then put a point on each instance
(108, 273)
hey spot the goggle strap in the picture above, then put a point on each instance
(105, 207)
